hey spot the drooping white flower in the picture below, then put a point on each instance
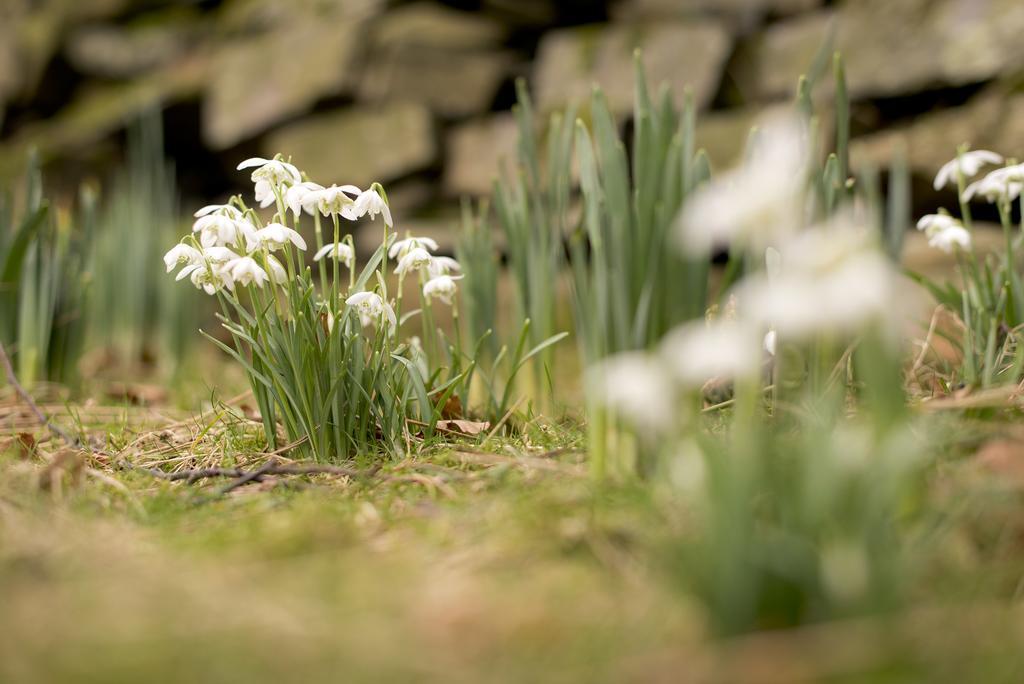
(245, 271)
(932, 223)
(636, 386)
(209, 279)
(697, 352)
(274, 171)
(968, 163)
(371, 203)
(225, 209)
(949, 238)
(400, 248)
(181, 254)
(276, 235)
(278, 274)
(264, 193)
(770, 341)
(219, 255)
(335, 200)
(1001, 184)
(340, 251)
(302, 197)
(417, 259)
(442, 265)
(220, 230)
(372, 310)
(753, 205)
(441, 287)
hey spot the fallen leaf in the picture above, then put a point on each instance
(452, 408)
(466, 427)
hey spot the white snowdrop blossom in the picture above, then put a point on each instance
(441, 287)
(933, 223)
(636, 386)
(219, 230)
(402, 247)
(335, 200)
(278, 274)
(770, 342)
(371, 203)
(209, 279)
(245, 271)
(340, 251)
(698, 352)
(832, 279)
(302, 197)
(372, 310)
(442, 265)
(1001, 184)
(181, 254)
(968, 164)
(271, 177)
(219, 255)
(276, 235)
(417, 259)
(754, 204)
(950, 238)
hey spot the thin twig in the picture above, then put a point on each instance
(272, 467)
(27, 398)
(248, 477)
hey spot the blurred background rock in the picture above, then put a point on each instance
(416, 94)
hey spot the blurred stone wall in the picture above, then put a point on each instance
(416, 94)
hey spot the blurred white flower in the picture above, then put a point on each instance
(699, 351)
(334, 201)
(246, 271)
(341, 251)
(636, 386)
(371, 203)
(220, 230)
(441, 287)
(182, 254)
(949, 238)
(442, 265)
(275, 236)
(400, 248)
(372, 309)
(754, 204)
(968, 164)
(1001, 184)
(770, 342)
(278, 274)
(417, 259)
(302, 197)
(832, 278)
(933, 223)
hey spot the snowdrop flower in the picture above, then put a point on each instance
(334, 201)
(302, 197)
(402, 247)
(968, 164)
(770, 342)
(225, 209)
(271, 177)
(219, 230)
(441, 287)
(698, 352)
(210, 280)
(755, 203)
(246, 271)
(442, 265)
(371, 203)
(278, 275)
(275, 236)
(417, 259)
(219, 255)
(1001, 184)
(934, 223)
(340, 251)
(947, 239)
(636, 386)
(372, 309)
(182, 254)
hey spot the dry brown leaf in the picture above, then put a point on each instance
(1005, 458)
(465, 427)
(452, 408)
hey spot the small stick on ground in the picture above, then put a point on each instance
(271, 467)
(33, 406)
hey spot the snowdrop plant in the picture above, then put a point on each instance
(324, 352)
(990, 304)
